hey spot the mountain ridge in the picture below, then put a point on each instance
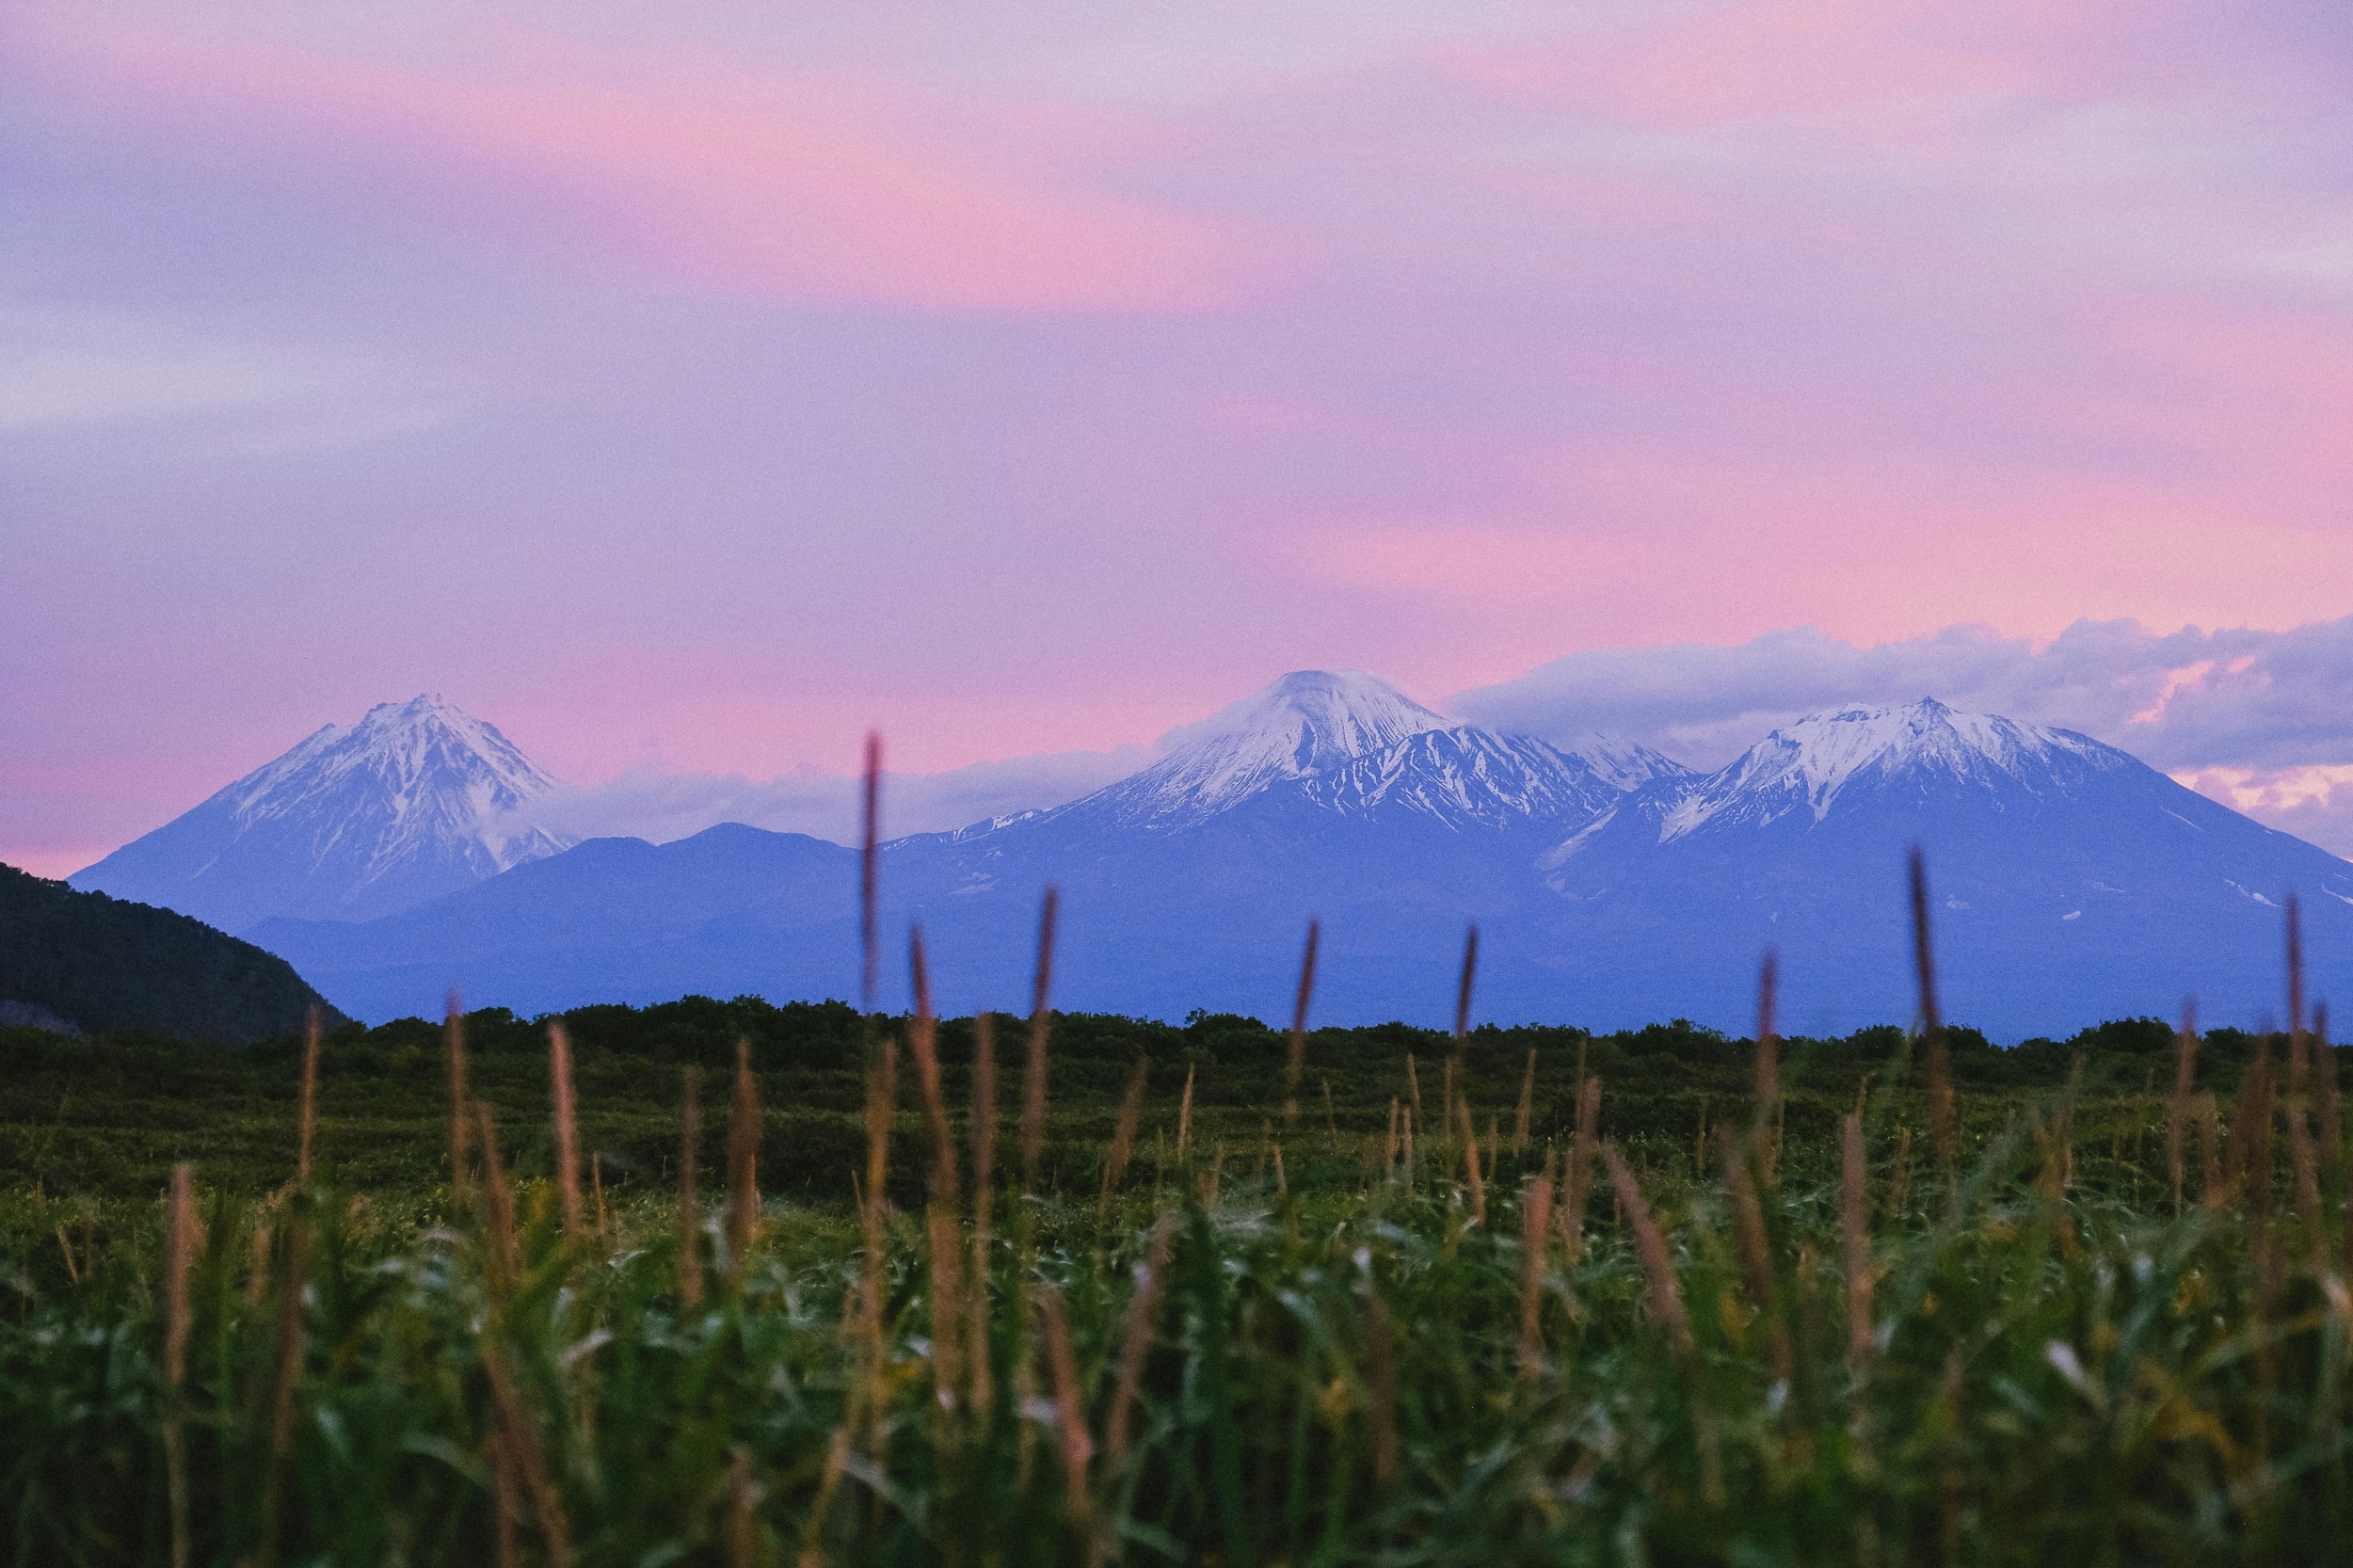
(98, 963)
(2073, 882)
(2064, 871)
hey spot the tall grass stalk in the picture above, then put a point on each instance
(1472, 1176)
(503, 1244)
(943, 1211)
(1124, 1131)
(1074, 1443)
(1944, 1113)
(1756, 1249)
(521, 1455)
(1296, 1061)
(868, 882)
(1854, 1233)
(1462, 1034)
(1535, 1233)
(1184, 1116)
(743, 1511)
(983, 1391)
(1577, 1180)
(1525, 1111)
(460, 1101)
(1041, 1028)
(307, 1127)
(567, 1126)
(1663, 1290)
(881, 1104)
(1766, 1093)
(743, 1129)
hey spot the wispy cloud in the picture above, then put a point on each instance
(683, 168)
(2260, 720)
(156, 393)
(655, 803)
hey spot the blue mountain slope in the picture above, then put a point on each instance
(1169, 904)
(608, 919)
(353, 824)
(1612, 887)
(2069, 882)
(1395, 851)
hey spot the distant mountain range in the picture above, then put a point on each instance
(1612, 886)
(86, 963)
(354, 823)
(2070, 882)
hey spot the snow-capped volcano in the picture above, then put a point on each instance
(354, 823)
(1327, 794)
(1302, 724)
(2069, 879)
(1347, 742)
(2069, 883)
(1922, 747)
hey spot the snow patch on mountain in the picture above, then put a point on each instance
(1808, 765)
(416, 771)
(1468, 777)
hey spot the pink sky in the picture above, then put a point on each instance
(694, 387)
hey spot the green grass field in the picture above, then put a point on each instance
(1142, 1321)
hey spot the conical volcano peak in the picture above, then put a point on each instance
(1306, 722)
(412, 802)
(1318, 717)
(424, 746)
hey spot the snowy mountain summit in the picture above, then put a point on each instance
(1924, 747)
(1306, 722)
(354, 823)
(1347, 742)
(1315, 745)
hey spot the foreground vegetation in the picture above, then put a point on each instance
(1195, 1294)
(97, 1122)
